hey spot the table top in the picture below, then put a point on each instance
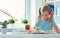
(28, 35)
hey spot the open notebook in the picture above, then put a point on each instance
(42, 32)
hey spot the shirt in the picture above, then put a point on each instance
(45, 24)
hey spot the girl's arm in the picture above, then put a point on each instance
(56, 28)
(36, 28)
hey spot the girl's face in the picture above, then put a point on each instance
(45, 15)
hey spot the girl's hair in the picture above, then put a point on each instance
(39, 16)
(46, 8)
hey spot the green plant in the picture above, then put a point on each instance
(11, 21)
(24, 21)
(4, 24)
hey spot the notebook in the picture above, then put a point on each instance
(42, 32)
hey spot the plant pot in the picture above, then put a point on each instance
(3, 30)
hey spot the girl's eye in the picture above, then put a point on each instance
(49, 13)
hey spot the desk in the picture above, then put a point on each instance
(27, 35)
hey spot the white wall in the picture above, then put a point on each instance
(16, 8)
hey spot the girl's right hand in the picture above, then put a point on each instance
(35, 28)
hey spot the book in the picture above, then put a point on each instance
(42, 32)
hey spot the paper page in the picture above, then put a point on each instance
(39, 31)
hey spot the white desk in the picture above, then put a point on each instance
(27, 35)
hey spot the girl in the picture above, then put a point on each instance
(45, 20)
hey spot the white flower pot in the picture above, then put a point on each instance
(3, 30)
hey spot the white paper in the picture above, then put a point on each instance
(44, 32)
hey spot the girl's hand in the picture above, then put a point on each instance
(56, 28)
(35, 28)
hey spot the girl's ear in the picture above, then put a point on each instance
(49, 16)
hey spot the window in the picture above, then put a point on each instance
(33, 12)
(15, 8)
(58, 10)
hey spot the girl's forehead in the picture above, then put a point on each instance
(45, 11)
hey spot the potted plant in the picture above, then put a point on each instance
(4, 27)
(11, 21)
(27, 26)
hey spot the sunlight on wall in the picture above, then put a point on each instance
(16, 8)
(33, 12)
